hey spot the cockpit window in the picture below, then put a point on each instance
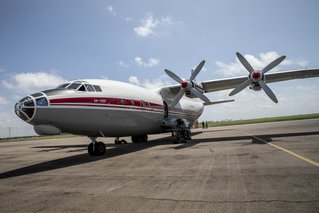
(97, 88)
(89, 87)
(42, 101)
(63, 86)
(74, 86)
(25, 99)
(82, 88)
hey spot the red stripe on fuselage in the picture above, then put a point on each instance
(101, 100)
(115, 103)
(190, 114)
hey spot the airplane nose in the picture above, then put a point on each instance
(25, 108)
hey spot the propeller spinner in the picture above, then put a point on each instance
(187, 85)
(257, 76)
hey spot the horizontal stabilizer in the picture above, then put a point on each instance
(218, 102)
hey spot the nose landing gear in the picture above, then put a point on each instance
(96, 148)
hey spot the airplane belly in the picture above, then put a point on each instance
(98, 122)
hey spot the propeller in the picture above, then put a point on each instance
(187, 85)
(256, 77)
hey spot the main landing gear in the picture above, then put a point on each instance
(96, 148)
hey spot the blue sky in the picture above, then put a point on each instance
(43, 43)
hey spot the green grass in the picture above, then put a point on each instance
(263, 120)
(32, 138)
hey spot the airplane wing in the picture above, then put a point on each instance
(229, 83)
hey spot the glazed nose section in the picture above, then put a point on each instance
(25, 108)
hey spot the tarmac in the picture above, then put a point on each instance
(270, 167)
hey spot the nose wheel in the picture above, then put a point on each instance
(96, 148)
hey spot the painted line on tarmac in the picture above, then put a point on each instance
(296, 155)
(289, 152)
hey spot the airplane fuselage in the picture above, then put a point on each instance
(103, 108)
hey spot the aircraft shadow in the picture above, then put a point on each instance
(61, 147)
(83, 158)
(118, 150)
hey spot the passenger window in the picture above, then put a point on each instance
(89, 88)
(82, 88)
(97, 88)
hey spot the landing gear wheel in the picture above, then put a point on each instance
(96, 148)
(100, 148)
(139, 139)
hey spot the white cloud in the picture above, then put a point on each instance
(3, 100)
(151, 62)
(147, 27)
(230, 69)
(33, 81)
(236, 68)
(134, 80)
(111, 10)
(155, 83)
(150, 84)
(149, 24)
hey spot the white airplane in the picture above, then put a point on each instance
(105, 108)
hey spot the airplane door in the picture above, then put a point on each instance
(165, 110)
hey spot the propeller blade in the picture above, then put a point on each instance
(199, 95)
(173, 76)
(273, 64)
(178, 97)
(245, 63)
(268, 91)
(240, 87)
(197, 70)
